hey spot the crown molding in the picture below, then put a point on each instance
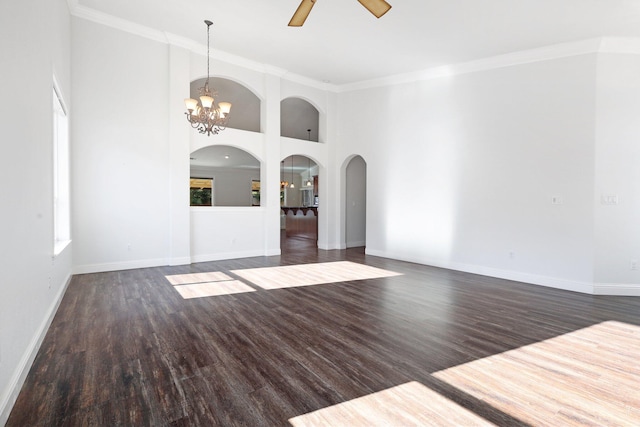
(93, 15)
(616, 45)
(561, 50)
(620, 45)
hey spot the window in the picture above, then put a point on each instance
(255, 193)
(61, 196)
(200, 191)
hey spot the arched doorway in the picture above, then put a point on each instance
(356, 203)
(298, 204)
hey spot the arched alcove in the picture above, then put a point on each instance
(245, 110)
(231, 174)
(299, 119)
(355, 202)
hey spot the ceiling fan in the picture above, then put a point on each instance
(377, 7)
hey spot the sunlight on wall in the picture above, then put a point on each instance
(409, 404)
(590, 376)
(420, 212)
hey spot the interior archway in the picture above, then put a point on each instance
(222, 175)
(245, 109)
(299, 119)
(356, 203)
(299, 202)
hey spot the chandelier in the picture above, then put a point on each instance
(205, 115)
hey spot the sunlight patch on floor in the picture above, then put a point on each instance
(409, 404)
(207, 284)
(590, 376)
(311, 274)
(190, 278)
(213, 289)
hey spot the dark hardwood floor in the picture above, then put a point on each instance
(126, 349)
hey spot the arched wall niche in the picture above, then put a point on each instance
(246, 105)
(352, 191)
(297, 116)
(234, 172)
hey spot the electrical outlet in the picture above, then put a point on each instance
(512, 255)
(634, 264)
(609, 199)
(556, 200)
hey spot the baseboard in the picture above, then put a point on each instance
(180, 260)
(226, 255)
(356, 244)
(273, 252)
(116, 266)
(20, 374)
(533, 279)
(619, 289)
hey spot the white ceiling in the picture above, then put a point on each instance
(341, 42)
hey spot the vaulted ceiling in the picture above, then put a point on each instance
(342, 43)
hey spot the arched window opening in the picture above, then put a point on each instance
(221, 175)
(245, 110)
(299, 119)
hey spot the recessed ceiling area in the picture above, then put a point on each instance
(342, 43)
(223, 156)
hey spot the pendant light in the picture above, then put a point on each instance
(205, 115)
(309, 181)
(283, 183)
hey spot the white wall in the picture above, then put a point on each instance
(617, 174)
(226, 233)
(34, 41)
(462, 170)
(121, 153)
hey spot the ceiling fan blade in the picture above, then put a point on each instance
(301, 13)
(377, 7)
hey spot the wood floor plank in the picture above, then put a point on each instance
(126, 349)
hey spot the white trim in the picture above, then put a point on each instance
(20, 374)
(621, 45)
(355, 244)
(620, 289)
(180, 261)
(221, 256)
(93, 15)
(96, 16)
(116, 266)
(534, 279)
(561, 50)
(272, 252)
(60, 246)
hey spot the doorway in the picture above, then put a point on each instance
(298, 204)
(356, 203)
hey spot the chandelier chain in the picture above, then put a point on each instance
(208, 42)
